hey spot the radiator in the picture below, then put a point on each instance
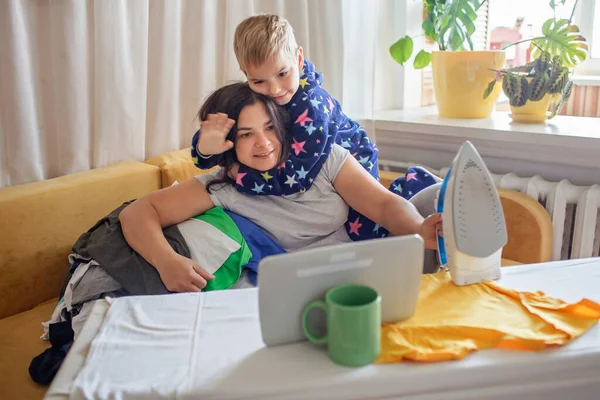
(574, 210)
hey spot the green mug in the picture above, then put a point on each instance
(353, 324)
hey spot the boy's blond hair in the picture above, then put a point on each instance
(259, 38)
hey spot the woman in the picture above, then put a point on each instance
(310, 219)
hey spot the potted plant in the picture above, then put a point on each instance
(538, 89)
(459, 73)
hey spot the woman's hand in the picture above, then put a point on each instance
(142, 222)
(180, 274)
(213, 134)
(429, 229)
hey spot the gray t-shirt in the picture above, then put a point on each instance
(314, 218)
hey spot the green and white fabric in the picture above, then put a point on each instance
(217, 245)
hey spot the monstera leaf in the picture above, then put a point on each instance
(432, 13)
(559, 38)
(450, 23)
(458, 23)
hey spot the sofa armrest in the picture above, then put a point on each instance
(176, 166)
(40, 222)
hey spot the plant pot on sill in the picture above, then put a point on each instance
(533, 112)
(459, 79)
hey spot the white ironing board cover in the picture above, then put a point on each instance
(209, 346)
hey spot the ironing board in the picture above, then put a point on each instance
(231, 361)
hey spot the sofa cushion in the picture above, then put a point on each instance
(20, 343)
(40, 222)
(176, 166)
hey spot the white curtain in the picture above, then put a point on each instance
(88, 83)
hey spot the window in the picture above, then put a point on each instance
(512, 21)
(587, 16)
(503, 22)
(596, 33)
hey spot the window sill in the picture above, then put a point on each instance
(419, 135)
(586, 80)
(562, 130)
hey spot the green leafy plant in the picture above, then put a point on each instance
(561, 38)
(450, 23)
(560, 48)
(533, 81)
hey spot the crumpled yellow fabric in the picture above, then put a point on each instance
(451, 321)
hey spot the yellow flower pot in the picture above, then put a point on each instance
(533, 111)
(460, 79)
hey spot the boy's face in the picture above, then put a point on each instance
(277, 78)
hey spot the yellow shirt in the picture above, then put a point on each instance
(450, 321)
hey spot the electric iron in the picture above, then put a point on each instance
(474, 227)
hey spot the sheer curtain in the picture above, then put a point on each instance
(88, 83)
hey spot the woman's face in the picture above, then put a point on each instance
(257, 145)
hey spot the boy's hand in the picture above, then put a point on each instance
(213, 134)
(429, 229)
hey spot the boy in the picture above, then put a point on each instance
(274, 65)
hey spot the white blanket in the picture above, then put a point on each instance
(208, 346)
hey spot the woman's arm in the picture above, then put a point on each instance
(367, 196)
(142, 222)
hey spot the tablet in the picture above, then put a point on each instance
(288, 282)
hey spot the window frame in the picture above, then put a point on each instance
(585, 21)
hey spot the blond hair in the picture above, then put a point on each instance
(260, 38)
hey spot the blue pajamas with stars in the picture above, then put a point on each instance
(415, 180)
(317, 123)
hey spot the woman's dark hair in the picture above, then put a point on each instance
(230, 100)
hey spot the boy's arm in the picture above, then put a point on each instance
(313, 132)
(202, 161)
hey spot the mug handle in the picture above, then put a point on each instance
(315, 304)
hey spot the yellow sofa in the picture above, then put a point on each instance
(39, 222)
